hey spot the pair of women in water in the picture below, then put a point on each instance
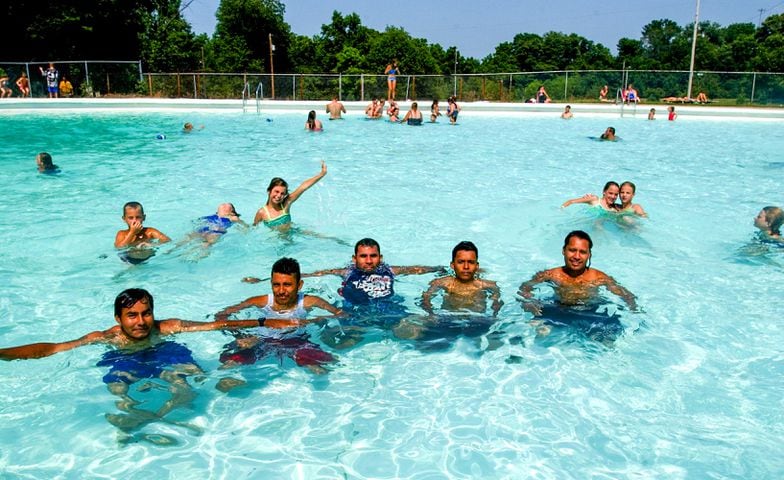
(610, 194)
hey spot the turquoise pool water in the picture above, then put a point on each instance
(692, 390)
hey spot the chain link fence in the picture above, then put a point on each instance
(101, 78)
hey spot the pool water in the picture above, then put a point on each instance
(691, 390)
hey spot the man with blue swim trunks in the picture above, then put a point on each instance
(368, 287)
(140, 354)
(576, 284)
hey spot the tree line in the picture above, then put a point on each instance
(156, 32)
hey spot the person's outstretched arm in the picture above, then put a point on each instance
(320, 273)
(307, 184)
(416, 270)
(39, 350)
(587, 198)
(175, 325)
(257, 301)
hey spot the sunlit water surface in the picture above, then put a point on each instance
(693, 388)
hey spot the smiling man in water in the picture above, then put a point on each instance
(140, 354)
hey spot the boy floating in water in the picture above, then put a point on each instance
(137, 238)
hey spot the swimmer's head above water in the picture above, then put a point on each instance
(277, 191)
(577, 251)
(770, 220)
(367, 255)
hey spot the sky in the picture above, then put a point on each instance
(476, 27)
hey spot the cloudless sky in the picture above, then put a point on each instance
(476, 27)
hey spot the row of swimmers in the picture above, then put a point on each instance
(468, 307)
(671, 115)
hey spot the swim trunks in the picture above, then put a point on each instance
(294, 345)
(595, 325)
(214, 224)
(414, 121)
(130, 367)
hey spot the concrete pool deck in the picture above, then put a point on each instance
(684, 111)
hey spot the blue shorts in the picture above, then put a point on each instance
(53, 89)
(130, 367)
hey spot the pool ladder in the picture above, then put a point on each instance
(246, 96)
(619, 99)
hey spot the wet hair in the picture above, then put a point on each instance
(128, 298)
(775, 218)
(435, 102)
(581, 235)
(311, 120)
(46, 161)
(634, 187)
(568, 106)
(277, 182)
(609, 184)
(367, 242)
(414, 105)
(133, 205)
(465, 246)
(611, 129)
(287, 266)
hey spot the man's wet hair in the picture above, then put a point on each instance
(367, 242)
(287, 266)
(465, 246)
(133, 205)
(581, 235)
(128, 298)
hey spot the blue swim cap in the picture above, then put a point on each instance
(160, 136)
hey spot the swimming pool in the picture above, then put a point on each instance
(692, 390)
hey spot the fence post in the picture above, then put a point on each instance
(108, 90)
(461, 89)
(149, 82)
(301, 87)
(141, 75)
(753, 86)
(340, 87)
(86, 74)
(484, 88)
(566, 87)
(362, 87)
(511, 94)
(194, 87)
(413, 88)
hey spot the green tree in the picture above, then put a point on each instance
(241, 41)
(167, 42)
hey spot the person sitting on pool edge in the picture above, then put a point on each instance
(137, 238)
(769, 221)
(609, 135)
(285, 311)
(413, 116)
(576, 284)
(275, 213)
(44, 162)
(139, 353)
(463, 292)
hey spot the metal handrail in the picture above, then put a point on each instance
(245, 95)
(259, 96)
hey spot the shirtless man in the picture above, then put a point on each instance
(334, 109)
(136, 238)
(462, 292)
(575, 283)
(140, 354)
